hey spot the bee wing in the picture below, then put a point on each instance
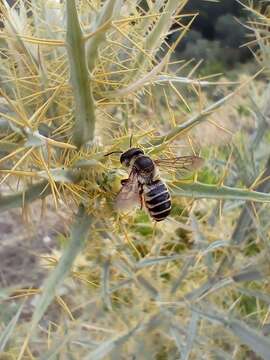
(187, 163)
(128, 196)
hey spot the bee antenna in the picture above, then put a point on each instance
(114, 152)
(130, 140)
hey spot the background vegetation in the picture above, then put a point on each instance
(217, 35)
(77, 79)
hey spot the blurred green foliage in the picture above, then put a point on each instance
(217, 35)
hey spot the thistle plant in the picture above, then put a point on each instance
(78, 79)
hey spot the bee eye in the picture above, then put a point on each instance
(125, 161)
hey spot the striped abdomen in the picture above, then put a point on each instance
(157, 200)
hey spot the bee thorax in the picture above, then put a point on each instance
(144, 163)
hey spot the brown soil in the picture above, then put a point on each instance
(22, 242)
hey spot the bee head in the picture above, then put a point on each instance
(128, 155)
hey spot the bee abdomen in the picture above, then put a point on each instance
(158, 201)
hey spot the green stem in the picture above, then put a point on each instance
(78, 237)
(108, 10)
(200, 190)
(84, 102)
(245, 221)
(37, 191)
(156, 35)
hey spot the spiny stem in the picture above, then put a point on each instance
(84, 126)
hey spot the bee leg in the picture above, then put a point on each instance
(140, 195)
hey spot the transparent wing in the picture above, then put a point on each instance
(128, 196)
(187, 163)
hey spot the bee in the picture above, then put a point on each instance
(144, 186)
